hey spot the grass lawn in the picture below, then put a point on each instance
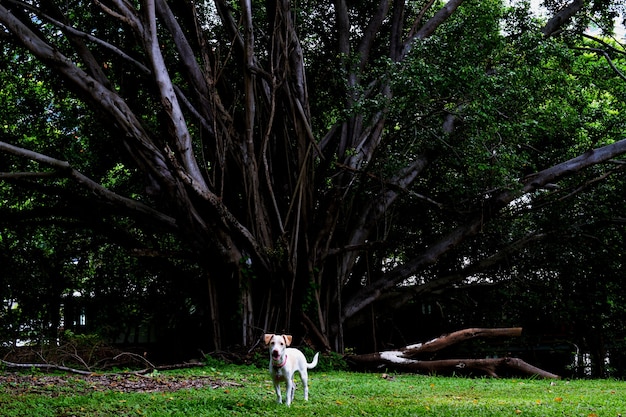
(331, 394)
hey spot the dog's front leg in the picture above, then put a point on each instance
(290, 390)
(279, 398)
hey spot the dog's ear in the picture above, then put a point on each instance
(268, 337)
(287, 338)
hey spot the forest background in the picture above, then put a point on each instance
(191, 175)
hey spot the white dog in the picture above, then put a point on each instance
(284, 362)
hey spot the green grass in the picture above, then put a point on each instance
(334, 394)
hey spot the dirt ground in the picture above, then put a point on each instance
(55, 385)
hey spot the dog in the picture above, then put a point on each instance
(284, 362)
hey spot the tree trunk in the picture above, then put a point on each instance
(403, 359)
(214, 315)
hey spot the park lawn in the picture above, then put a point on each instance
(332, 394)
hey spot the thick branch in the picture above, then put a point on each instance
(372, 292)
(194, 72)
(432, 24)
(343, 27)
(378, 207)
(224, 10)
(180, 132)
(397, 20)
(372, 31)
(562, 17)
(572, 166)
(445, 281)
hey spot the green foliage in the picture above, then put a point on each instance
(214, 362)
(521, 103)
(82, 342)
(331, 361)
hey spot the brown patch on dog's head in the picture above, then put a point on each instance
(286, 338)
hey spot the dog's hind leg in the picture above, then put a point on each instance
(305, 383)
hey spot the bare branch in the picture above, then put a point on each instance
(418, 19)
(27, 175)
(439, 18)
(605, 44)
(223, 9)
(432, 24)
(606, 55)
(126, 14)
(487, 366)
(65, 169)
(42, 366)
(225, 215)
(589, 158)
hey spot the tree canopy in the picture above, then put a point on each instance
(306, 163)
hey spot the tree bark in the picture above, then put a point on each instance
(403, 359)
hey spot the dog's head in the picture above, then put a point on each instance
(277, 344)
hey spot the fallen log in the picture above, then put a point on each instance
(403, 359)
(457, 337)
(489, 366)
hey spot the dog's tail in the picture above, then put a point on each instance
(313, 362)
